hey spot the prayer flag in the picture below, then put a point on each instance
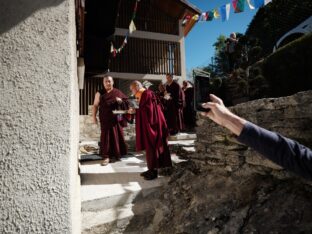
(216, 13)
(225, 12)
(210, 15)
(238, 5)
(132, 27)
(203, 16)
(250, 5)
(83, 3)
(186, 19)
(195, 17)
(267, 1)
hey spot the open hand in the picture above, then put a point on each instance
(223, 116)
(131, 111)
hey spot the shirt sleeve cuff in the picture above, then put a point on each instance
(246, 132)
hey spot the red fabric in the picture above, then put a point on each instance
(175, 106)
(112, 143)
(151, 132)
(112, 139)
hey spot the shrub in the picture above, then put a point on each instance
(289, 69)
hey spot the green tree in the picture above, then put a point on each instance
(275, 19)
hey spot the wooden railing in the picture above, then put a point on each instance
(146, 56)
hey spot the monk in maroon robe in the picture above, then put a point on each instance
(151, 131)
(174, 104)
(189, 113)
(112, 145)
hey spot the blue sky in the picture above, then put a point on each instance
(199, 41)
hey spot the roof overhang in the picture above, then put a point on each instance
(179, 9)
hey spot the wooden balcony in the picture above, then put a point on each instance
(147, 56)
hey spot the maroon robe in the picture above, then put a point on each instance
(112, 143)
(175, 106)
(189, 113)
(152, 132)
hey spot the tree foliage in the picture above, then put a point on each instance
(275, 19)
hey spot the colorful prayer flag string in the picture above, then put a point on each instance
(238, 5)
(132, 28)
(223, 12)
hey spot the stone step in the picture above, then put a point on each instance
(123, 219)
(114, 185)
(183, 136)
(103, 221)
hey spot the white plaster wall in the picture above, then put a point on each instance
(39, 124)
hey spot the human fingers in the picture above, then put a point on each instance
(209, 105)
(216, 99)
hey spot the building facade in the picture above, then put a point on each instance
(153, 50)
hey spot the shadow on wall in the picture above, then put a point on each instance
(15, 11)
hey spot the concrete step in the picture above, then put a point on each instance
(118, 184)
(109, 192)
(183, 136)
(103, 220)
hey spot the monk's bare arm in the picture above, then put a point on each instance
(95, 108)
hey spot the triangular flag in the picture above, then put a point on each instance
(238, 5)
(250, 5)
(83, 3)
(132, 27)
(210, 15)
(258, 3)
(216, 13)
(267, 1)
(203, 17)
(195, 17)
(225, 12)
(186, 19)
(228, 8)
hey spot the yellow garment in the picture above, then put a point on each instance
(139, 94)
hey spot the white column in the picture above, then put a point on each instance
(182, 52)
(39, 118)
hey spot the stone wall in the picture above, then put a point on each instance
(226, 187)
(291, 116)
(90, 131)
(39, 182)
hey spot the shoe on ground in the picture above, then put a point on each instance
(152, 175)
(145, 173)
(105, 162)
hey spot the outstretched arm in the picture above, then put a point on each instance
(281, 150)
(95, 108)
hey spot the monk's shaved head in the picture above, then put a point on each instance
(107, 77)
(135, 86)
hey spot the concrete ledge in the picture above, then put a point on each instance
(114, 185)
(183, 136)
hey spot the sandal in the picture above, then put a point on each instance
(105, 162)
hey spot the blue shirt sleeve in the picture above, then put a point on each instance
(283, 151)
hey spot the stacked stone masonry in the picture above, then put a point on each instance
(291, 116)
